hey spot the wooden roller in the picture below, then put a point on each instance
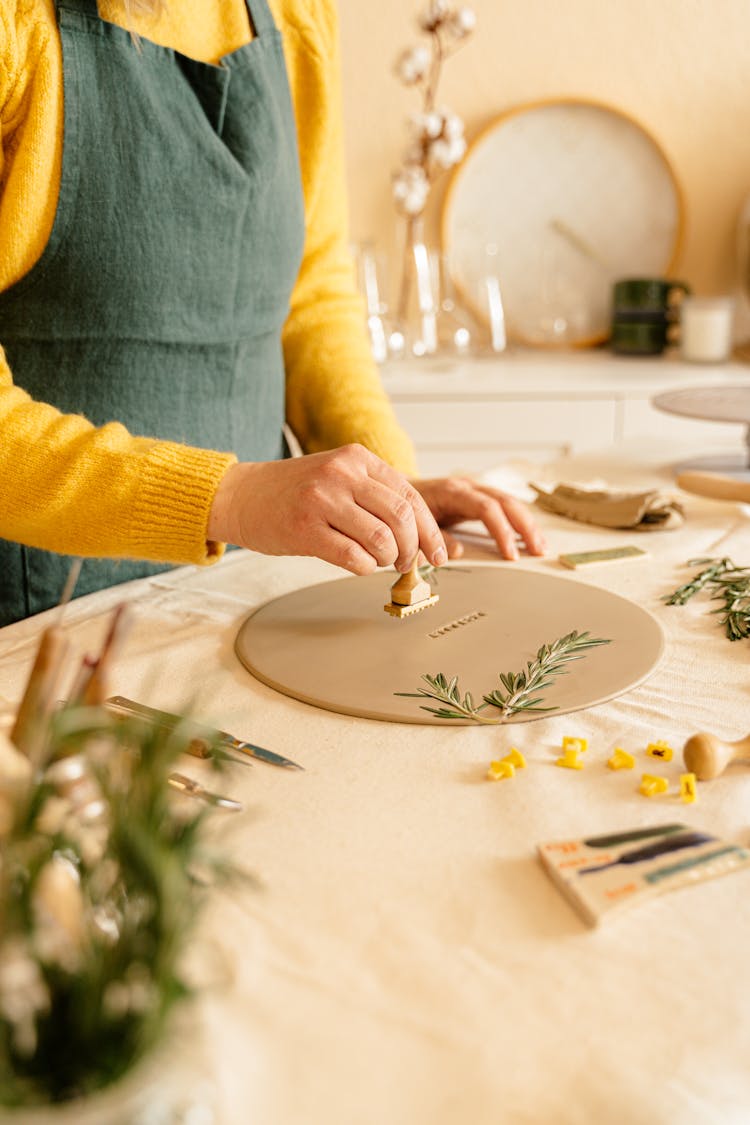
(707, 756)
(715, 486)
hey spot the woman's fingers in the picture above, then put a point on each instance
(402, 507)
(455, 499)
(345, 506)
(519, 517)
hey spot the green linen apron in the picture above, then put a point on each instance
(159, 299)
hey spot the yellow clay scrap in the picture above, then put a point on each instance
(516, 758)
(688, 790)
(621, 760)
(661, 750)
(571, 743)
(652, 785)
(498, 771)
(570, 759)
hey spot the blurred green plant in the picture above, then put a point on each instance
(102, 877)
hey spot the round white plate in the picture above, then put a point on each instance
(570, 196)
(333, 646)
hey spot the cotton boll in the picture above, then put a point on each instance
(23, 993)
(57, 903)
(435, 15)
(412, 65)
(462, 23)
(426, 124)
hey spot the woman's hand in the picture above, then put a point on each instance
(455, 499)
(345, 506)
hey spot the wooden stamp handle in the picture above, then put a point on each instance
(707, 756)
(410, 588)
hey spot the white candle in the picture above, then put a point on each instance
(706, 329)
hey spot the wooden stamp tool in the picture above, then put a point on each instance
(707, 756)
(410, 594)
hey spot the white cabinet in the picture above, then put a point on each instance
(469, 415)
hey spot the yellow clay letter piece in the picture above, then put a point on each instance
(570, 760)
(571, 743)
(498, 771)
(651, 785)
(621, 760)
(661, 750)
(688, 789)
(516, 758)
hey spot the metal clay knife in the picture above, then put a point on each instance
(202, 746)
(192, 788)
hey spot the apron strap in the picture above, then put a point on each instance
(88, 7)
(261, 18)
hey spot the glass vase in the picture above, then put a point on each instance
(414, 326)
(171, 1085)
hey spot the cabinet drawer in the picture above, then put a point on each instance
(641, 419)
(509, 425)
(446, 461)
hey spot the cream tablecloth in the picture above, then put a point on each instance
(406, 961)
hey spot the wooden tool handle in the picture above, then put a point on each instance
(714, 485)
(410, 588)
(29, 731)
(92, 686)
(707, 756)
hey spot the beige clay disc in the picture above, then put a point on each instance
(333, 646)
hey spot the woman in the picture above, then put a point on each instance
(173, 256)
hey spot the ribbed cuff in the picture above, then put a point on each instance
(175, 493)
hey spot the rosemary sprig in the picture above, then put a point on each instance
(713, 571)
(726, 582)
(429, 573)
(519, 690)
(447, 692)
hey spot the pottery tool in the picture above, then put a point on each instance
(694, 861)
(672, 843)
(191, 788)
(207, 742)
(29, 732)
(630, 837)
(410, 593)
(92, 685)
(707, 756)
(716, 486)
(607, 555)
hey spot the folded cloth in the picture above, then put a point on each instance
(641, 511)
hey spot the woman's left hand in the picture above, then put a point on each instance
(453, 500)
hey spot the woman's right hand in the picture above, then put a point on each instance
(345, 506)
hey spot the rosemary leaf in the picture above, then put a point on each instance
(519, 691)
(726, 582)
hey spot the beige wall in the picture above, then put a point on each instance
(680, 67)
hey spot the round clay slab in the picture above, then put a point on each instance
(333, 646)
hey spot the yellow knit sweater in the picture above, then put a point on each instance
(76, 489)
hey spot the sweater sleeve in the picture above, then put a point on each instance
(334, 393)
(68, 486)
(81, 490)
